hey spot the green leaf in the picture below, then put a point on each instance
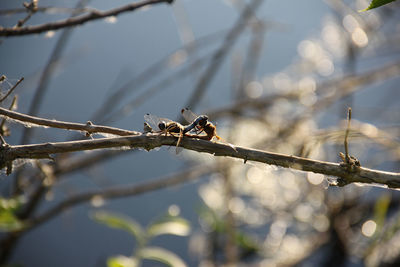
(9, 222)
(380, 210)
(170, 226)
(162, 255)
(377, 3)
(121, 261)
(121, 222)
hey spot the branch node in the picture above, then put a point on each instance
(89, 124)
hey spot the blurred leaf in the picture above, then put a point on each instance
(121, 261)
(381, 208)
(11, 204)
(171, 226)
(248, 245)
(162, 255)
(377, 3)
(210, 217)
(121, 222)
(8, 220)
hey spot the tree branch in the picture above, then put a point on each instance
(185, 176)
(221, 53)
(89, 127)
(150, 141)
(11, 90)
(93, 15)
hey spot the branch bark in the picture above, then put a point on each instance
(150, 141)
(93, 15)
(89, 127)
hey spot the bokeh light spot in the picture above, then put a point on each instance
(315, 178)
(254, 89)
(359, 37)
(368, 228)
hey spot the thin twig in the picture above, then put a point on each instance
(3, 121)
(12, 89)
(346, 136)
(93, 15)
(218, 56)
(48, 9)
(344, 86)
(3, 142)
(88, 127)
(124, 191)
(45, 77)
(150, 141)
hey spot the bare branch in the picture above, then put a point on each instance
(150, 141)
(88, 127)
(93, 15)
(218, 56)
(12, 89)
(124, 191)
(47, 9)
(346, 136)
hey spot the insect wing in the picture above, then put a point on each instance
(188, 115)
(154, 120)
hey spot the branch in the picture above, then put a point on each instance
(221, 53)
(93, 15)
(89, 127)
(12, 89)
(150, 141)
(123, 191)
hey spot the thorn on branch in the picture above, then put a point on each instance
(351, 163)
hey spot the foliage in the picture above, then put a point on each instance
(377, 3)
(168, 225)
(8, 219)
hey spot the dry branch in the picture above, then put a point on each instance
(185, 176)
(89, 127)
(150, 141)
(11, 90)
(93, 15)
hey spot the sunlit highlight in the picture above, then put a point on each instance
(359, 37)
(315, 178)
(368, 228)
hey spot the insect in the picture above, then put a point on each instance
(166, 126)
(200, 124)
(197, 122)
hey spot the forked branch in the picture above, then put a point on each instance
(93, 15)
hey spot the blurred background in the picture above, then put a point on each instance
(272, 75)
